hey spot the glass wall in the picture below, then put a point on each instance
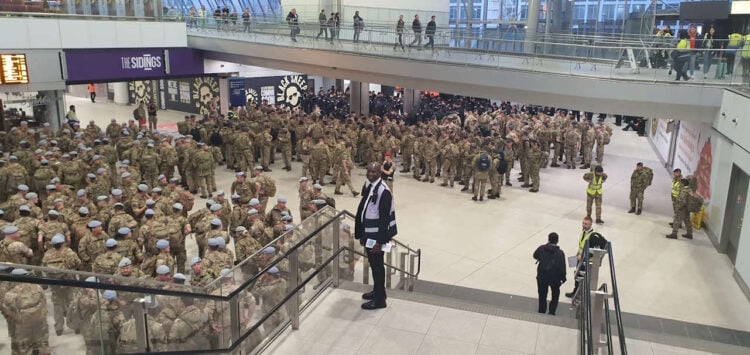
(587, 17)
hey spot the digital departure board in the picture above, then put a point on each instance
(14, 69)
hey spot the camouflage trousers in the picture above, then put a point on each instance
(682, 216)
(305, 164)
(205, 184)
(587, 154)
(318, 170)
(406, 162)
(533, 176)
(599, 154)
(180, 255)
(342, 178)
(480, 183)
(61, 298)
(495, 183)
(449, 171)
(590, 200)
(636, 198)
(430, 165)
(265, 155)
(570, 156)
(286, 154)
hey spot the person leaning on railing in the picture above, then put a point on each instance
(707, 45)
(359, 24)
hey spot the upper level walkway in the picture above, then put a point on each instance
(601, 77)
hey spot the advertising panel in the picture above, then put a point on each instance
(660, 136)
(236, 92)
(106, 65)
(694, 155)
(287, 90)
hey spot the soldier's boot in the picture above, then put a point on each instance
(432, 180)
(585, 166)
(466, 188)
(537, 190)
(507, 183)
(599, 221)
(672, 236)
(266, 169)
(554, 165)
(337, 192)
(474, 198)
(638, 212)
(355, 193)
(688, 236)
(632, 210)
(481, 198)
(526, 185)
(444, 184)
(490, 196)
(426, 179)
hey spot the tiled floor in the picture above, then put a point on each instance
(336, 325)
(488, 245)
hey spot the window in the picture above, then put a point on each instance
(477, 13)
(579, 12)
(608, 13)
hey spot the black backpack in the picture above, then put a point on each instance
(552, 265)
(502, 168)
(484, 162)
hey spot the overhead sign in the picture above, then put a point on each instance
(102, 65)
(237, 92)
(14, 69)
(740, 8)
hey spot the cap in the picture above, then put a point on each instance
(24, 208)
(177, 206)
(55, 181)
(162, 270)
(195, 260)
(94, 224)
(53, 213)
(111, 243)
(240, 229)
(124, 262)
(91, 279)
(319, 202)
(101, 171)
(273, 270)
(50, 187)
(254, 202)
(252, 212)
(81, 193)
(216, 207)
(317, 187)
(225, 273)
(19, 272)
(212, 242)
(58, 239)
(220, 193)
(288, 227)
(117, 192)
(162, 244)
(258, 167)
(240, 173)
(21, 187)
(269, 250)
(125, 175)
(216, 222)
(157, 190)
(119, 204)
(59, 200)
(150, 202)
(174, 180)
(109, 295)
(236, 197)
(149, 212)
(123, 231)
(31, 195)
(286, 218)
(143, 188)
(102, 198)
(281, 200)
(179, 278)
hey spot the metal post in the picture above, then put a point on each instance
(402, 266)
(140, 325)
(388, 263)
(234, 320)
(293, 303)
(597, 316)
(336, 245)
(365, 270)
(412, 259)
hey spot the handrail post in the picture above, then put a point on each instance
(293, 303)
(140, 325)
(336, 245)
(388, 269)
(234, 320)
(402, 266)
(365, 270)
(413, 276)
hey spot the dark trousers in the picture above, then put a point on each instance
(93, 96)
(679, 67)
(378, 275)
(323, 29)
(399, 41)
(430, 42)
(543, 285)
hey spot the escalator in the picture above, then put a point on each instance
(241, 312)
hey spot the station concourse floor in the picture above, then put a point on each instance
(488, 245)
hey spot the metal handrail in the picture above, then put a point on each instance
(586, 297)
(616, 295)
(608, 326)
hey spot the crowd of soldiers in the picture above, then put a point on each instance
(120, 200)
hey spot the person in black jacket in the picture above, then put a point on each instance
(416, 26)
(374, 227)
(429, 32)
(359, 24)
(293, 20)
(399, 33)
(550, 273)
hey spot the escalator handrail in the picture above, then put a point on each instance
(616, 295)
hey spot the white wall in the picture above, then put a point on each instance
(731, 140)
(249, 71)
(373, 12)
(43, 33)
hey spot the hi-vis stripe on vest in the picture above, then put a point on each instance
(582, 242)
(675, 189)
(372, 214)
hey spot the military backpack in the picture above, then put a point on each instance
(483, 164)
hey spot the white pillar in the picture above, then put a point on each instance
(54, 107)
(121, 92)
(224, 95)
(359, 100)
(532, 23)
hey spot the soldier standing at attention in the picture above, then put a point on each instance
(594, 191)
(451, 153)
(676, 185)
(285, 143)
(639, 181)
(681, 212)
(319, 162)
(509, 155)
(204, 162)
(534, 160)
(572, 138)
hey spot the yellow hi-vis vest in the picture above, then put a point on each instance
(582, 242)
(595, 186)
(734, 40)
(675, 189)
(746, 47)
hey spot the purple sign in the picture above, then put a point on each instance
(106, 65)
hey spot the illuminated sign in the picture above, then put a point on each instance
(14, 69)
(740, 8)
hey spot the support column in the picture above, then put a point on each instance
(121, 92)
(411, 100)
(223, 95)
(326, 83)
(531, 25)
(359, 99)
(340, 85)
(53, 108)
